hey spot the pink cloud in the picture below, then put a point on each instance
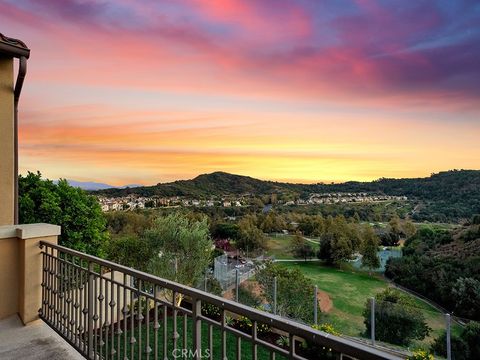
(261, 20)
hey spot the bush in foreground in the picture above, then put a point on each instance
(397, 320)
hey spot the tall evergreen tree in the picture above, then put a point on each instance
(369, 249)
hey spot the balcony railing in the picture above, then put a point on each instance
(109, 311)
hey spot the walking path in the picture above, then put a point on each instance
(293, 260)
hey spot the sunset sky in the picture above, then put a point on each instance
(130, 91)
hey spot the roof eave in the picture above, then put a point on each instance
(13, 47)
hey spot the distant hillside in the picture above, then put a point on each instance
(90, 185)
(447, 195)
(444, 196)
(214, 184)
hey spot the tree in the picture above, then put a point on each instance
(335, 248)
(341, 249)
(294, 291)
(251, 237)
(273, 223)
(471, 335)
(181, 249)
(467, 292)
(395, 230)
(226, 231)
(397, 320)
(369, 249)
(128, 250)
(409, 229)
(127, 222)
(300, 248)
(78, 214)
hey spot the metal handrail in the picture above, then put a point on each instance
(336, 343)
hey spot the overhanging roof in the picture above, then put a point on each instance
(13, 47)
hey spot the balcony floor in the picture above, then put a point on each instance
(34, 341)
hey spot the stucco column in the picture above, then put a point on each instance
(30, 267)
(7, 175)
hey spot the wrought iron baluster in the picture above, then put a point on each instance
(100, 298)
(185, 336)
(197, 327)
(224, 335)
(63, 297)
(106, 325)
(95, 314)
(90, 311)
(239, 348)
(71, 297)
(165, 332)
(254, 340)
(210, 341)
(85, 309)
(76, 304)
(68, 296)
(49, 285)
(292, 345)
(140, 318)
(156, 324)
(60, 294)
(55, 293)
(148, 349)
(132, 328)
(42, 310)
(119, 324)
(112, 312)
(174, 313)
(125, 313)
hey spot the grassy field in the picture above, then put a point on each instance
(349, 291)
(280, 246)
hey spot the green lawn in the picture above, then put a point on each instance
(349, 291)
(231, 342)
(280, 246)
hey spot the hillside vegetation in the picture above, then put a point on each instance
(446, 196)
(444, 266)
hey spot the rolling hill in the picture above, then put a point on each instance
(444, 196)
